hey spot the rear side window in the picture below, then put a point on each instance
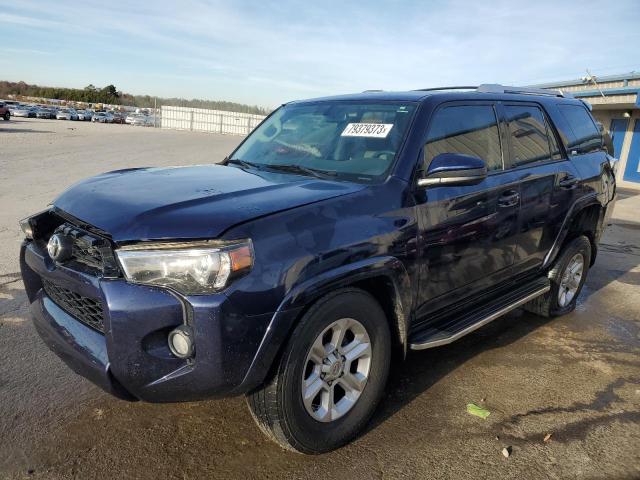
(528, 131)
(587, 136)
(466, 129)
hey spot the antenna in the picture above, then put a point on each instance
(592, 78)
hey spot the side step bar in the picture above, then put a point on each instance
(449, 330)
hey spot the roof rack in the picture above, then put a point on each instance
(464, 87)
(497, 88)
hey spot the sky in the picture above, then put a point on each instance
(266, 53)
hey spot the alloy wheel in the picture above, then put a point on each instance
(570, 281)
(336, 370)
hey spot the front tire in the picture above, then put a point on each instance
(7, 116)
(567, 277)
(330, 376)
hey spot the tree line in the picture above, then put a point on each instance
(111, 95)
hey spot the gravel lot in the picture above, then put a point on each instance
(575, 377)
(40, 158)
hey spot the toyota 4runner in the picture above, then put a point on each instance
(340, 229)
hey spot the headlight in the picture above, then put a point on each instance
(36, 222)
(189, 268)
(27, 228)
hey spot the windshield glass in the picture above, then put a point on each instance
(356, 140)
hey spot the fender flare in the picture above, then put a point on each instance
(575, 209)
(284, 319)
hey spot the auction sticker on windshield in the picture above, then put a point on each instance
(375, 130)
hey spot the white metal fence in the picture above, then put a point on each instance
(212, 121)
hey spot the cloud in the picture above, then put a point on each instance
(262, 52)
(24, 51)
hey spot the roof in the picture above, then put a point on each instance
(485, 91)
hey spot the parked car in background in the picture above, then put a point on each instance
(24, 111)
(45, 113)
(117, 117)
(67, 114)
(4, 111)
(85, 115)
(102, 117)
(139, 119)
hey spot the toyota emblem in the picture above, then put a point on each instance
(59, 247)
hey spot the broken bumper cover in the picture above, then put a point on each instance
(131, 359)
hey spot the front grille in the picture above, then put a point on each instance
(91, 251)
(85, 309)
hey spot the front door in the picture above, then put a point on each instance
(467, 233)
(618, 130)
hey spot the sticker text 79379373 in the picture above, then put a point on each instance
(375, 130)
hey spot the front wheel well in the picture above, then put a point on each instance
(383, 290)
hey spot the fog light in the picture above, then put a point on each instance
(181, 342)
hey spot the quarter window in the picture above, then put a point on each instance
(528, 131)
(556, 154)
(466, 129)
(587, 136)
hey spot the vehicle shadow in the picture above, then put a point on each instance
(24, 130)
(422, 369)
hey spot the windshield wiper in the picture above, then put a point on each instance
(302, 170)
(243, 163)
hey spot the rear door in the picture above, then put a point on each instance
(548, 180)
(467, 232)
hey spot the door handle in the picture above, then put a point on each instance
(510, 198)
(568, 183)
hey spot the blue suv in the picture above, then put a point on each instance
(341, 229)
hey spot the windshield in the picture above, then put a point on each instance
(358, 141)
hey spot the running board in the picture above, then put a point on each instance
(449, 330)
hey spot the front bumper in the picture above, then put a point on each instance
(131, 359)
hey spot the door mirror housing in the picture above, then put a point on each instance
(454, 169)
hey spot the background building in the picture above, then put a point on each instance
(616, 104)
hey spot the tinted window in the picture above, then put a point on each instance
(587, 135)
(354, 140)
(470, 130)
(528, 132)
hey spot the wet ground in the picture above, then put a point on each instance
(576, 378)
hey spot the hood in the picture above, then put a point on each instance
(188, 202)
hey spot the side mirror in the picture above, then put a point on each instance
(454, 169)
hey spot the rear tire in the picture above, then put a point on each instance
(7, 116)
(355, 350)
(567, 277)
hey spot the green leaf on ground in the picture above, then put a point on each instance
(474, 409)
